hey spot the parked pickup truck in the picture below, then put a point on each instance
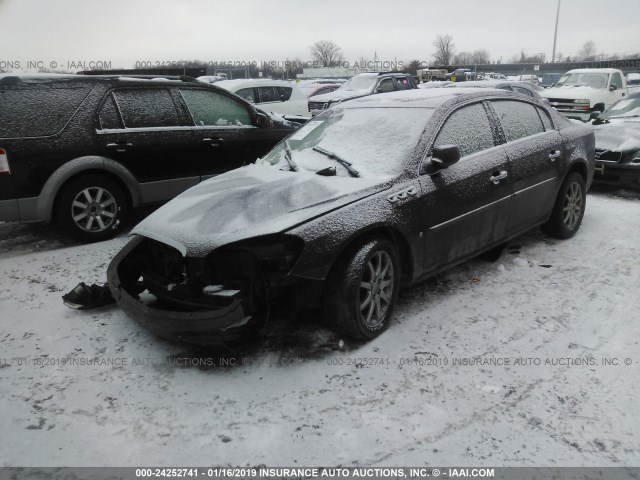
(580, 92)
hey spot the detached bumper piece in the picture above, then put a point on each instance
(217, 316)
(85, 297)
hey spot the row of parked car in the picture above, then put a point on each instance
(383, 187)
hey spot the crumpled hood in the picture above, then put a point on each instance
(619, 135)
(570, 92)
(338, 95)
(247, 202)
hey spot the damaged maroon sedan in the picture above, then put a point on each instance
(376, 193)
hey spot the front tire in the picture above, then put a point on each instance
(91, 207)
(568, 210)
(362, 289)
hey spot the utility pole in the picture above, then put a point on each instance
(555, 35)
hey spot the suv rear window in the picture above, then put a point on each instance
(37, 112)
(144, 108)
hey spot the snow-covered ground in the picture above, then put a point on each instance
(305, 397)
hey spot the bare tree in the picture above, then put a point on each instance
(327, 53)
(445, 49)
(462, 58)
(588, 51)
(480, 57)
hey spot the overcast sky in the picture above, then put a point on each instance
(124, 31)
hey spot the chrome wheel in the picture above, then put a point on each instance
(376, 289)
(572, 206)
(94, 209)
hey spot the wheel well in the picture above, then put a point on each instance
(579, 167)
(395, 237)
(601, 105)
(97, 171)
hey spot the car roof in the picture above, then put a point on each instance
(53, 78)
(594, 70)
(425, 98)
(232, 85)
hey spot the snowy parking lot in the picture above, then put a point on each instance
(533, 359)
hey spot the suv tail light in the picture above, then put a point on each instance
(4, 163)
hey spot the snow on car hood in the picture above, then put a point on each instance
(619, 135)
(570, 92)
(248, 202)
(338, 95)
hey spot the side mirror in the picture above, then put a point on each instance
(612, 88)
(443, 156)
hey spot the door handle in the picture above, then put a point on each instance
(553, 155)
(119, 146)
(213, 142)
(497, 176)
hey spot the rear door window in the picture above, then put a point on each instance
(267, 94)
(215, 109)
(402, 83)
(39, 111)
(145, 108)
(546, 119)
(518, 119)
(468, 128)
(109, 116)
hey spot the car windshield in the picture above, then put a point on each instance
(593, 80)
(625, 108)
(365, 82)
(373, 142)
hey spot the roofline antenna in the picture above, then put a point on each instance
(555, 35)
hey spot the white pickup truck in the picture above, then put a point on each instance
(582, 91)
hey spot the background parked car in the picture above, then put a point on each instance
(376, 192)
(312, 88)
(274, 96)
(362, 85)
(523, 88)
(84, 150)
(549, 79)
(617, 132)
(582, 91)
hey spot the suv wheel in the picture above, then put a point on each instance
(362, 290)
(568, 210)
(91, 207)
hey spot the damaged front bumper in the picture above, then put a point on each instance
(214, 326)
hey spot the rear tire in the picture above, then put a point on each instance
(568, 210)
(91, 207)
(362, 289)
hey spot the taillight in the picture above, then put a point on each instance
(4, 163)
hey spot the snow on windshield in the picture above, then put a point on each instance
(593, 80)
(360, 83)
(629, 107)
(376, 141)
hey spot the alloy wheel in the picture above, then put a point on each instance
(572, 207)
(94, 209)
(376, 289)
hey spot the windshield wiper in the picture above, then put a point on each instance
(287, 156)
(352, 171)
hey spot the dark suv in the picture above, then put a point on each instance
(361, 85)
(85, 150)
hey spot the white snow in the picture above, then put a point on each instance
(307, 396)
